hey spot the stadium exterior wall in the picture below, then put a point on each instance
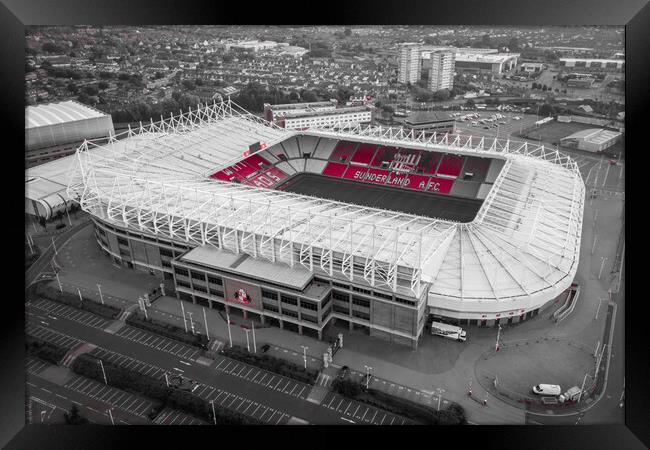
(385, 317)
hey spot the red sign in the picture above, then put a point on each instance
(242, 297)
(247, 152)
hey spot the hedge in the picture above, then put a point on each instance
(453, 415)
(167, 330)
(45, 350)
(51, 293)
(134, 381)
(270, 363)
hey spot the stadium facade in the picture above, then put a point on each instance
(205, 201)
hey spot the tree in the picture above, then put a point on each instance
(103, 85)
(347, 32)
(513, 44)
(485, 40)
(470, 103)
(442, 95)
(73, 417)
(73, 88)
(188, 84)
(90, 90)
(546, 110)
(51, 47)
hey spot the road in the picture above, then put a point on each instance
(230, 384)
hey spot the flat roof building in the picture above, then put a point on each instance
(306, 115)
(55, 129)
(593, 64)
(592, 139)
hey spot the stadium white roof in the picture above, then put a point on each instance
(57, 113)
(521, 249)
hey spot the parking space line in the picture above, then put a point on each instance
(391, 422)
(242, 402)
(285, 386)
(242, 369)
(225, 398)
(258, 407)
(280, 418)
(272, 378)
(248, 373)
(294, 388)
(301, 391)
(373, 417)
(227, 365)
(233, 401)
(265, 411)
(250, 403)
(219, 365)
(382, 419)
(346, 409)
(279, 381)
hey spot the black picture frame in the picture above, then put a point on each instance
(15, 14)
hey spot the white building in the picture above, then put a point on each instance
(409, 63)
(441, 70)
(592, 140)
(301, 120)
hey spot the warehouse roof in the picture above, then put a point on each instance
(595, 135)
(57, 113)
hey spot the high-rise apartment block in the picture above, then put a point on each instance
(409, 63)
(435, 64)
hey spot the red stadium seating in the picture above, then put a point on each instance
(343, 151)
(256, 161)
(364, 153)
(268, 179)
(334, 169)
(451, 165)
(384, 154)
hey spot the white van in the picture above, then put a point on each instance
(547, 389)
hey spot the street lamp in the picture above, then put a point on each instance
(183, 311)
(101, 364)
(602, 264)
(600, 301)
(496, 345)
(101, 297)
(440, 392)
(304, 355)
(248, 345)
(254, 345)
(368, 369)
(214, 415)
(191, 321)
(205, 320)
(229, 335)
(58, 281)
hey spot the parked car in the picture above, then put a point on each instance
(265, 348)
(547, 389)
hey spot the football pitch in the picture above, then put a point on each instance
(384, 197)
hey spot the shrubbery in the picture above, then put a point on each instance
(45, 350)
(453, 415)
(270, 363)
(167, 330)
(51, 293)
(134, 381)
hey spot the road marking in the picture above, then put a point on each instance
(348, 420)
(301, 391)
(346, 409)
(391, 422)
(382, 419)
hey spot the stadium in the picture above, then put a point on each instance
(373, 228)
